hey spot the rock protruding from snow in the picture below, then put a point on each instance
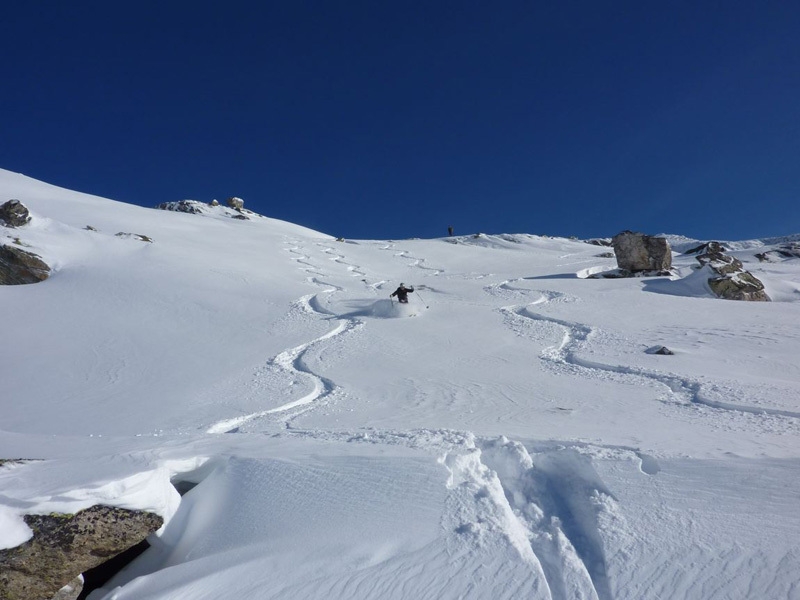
(638, 253)
(704, 248)
(733, 282)
(135, 236)
(64, 546)
(212, 208)
(14, 214)
(661, 350)
(19, 267)
(784, 252)
(186, 206)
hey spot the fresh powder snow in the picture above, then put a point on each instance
(506, 434)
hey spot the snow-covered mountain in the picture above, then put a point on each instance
(504, 435)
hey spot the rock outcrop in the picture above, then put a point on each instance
(784, 252)
(134, 236)
(19, 267)
(185, 206)
(211, 208)
(732, 281)
(639, 253)
(64, 546)
(599, 242)
(14, 214)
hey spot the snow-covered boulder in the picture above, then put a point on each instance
(732, 282)
(65, 545)
(637, 252)
(236, 203)
(14, 214)
(19, 267)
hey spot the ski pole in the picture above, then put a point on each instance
(423, 299)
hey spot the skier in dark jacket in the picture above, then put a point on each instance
(402, 293)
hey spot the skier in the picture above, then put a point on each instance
(402, 293)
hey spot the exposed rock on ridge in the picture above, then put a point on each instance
(733, 282)
(14, 214)
(784, 252)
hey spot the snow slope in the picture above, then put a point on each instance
(504, 435)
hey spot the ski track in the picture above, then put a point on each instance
(291, 361)
(417, 262)
(564, 357)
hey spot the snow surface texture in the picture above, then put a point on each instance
(504, 435)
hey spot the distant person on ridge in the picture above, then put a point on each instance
(402, 293)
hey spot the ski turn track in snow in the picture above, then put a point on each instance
(291, 360)
(564, 357)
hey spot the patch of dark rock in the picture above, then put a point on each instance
(102, 573)
(599, 241)
(14, 214)
(240, 217)
(192, 207)
(135, 236)
(235, 203)
(605, 255)
(638, 253)
(787, 251)
(65, 545)
(20, 267)
(90, 228)
(662, 350)
(703, 248)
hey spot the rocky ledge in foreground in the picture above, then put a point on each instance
(64, 546)
(19, 267)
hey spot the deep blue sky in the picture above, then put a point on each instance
(370, 119)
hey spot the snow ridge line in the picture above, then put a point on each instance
(565, 354)
(292, 359)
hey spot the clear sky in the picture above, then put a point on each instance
(372, 119)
